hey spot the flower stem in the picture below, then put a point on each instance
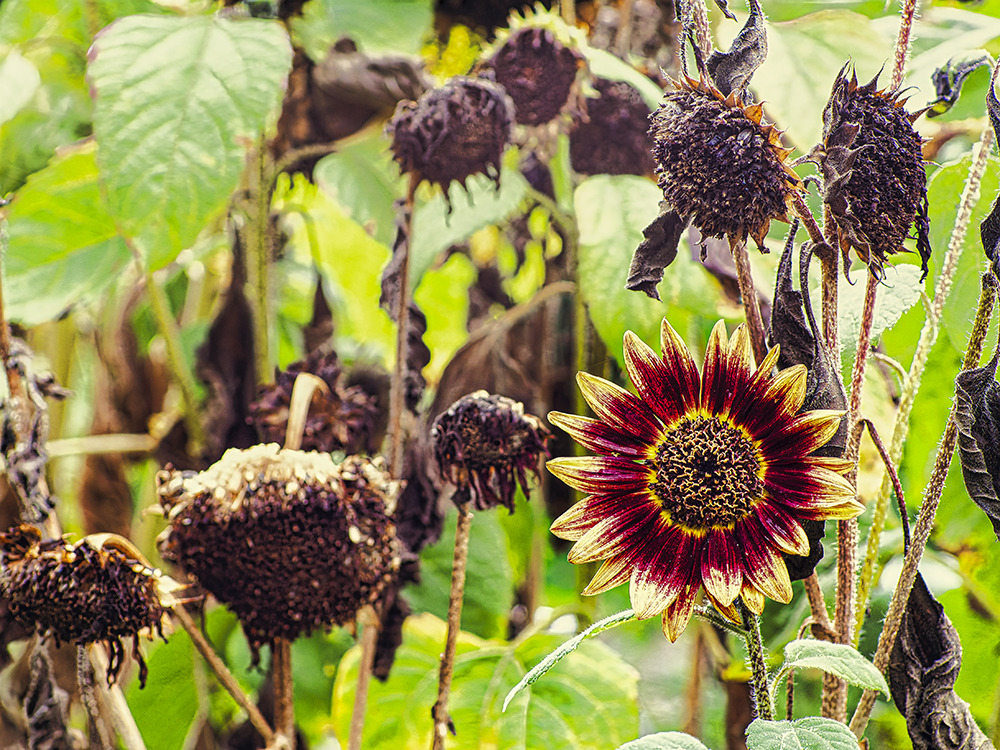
(439, 713)
(925, 518)
(369, 640)
(817, 602)
(114, 699)
(758, 668)
(751, 304)
(397, 391)
(911, 384)
(223, 674)
(907, 14)
(257, 246)
(284, 704)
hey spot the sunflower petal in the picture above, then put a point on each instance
(720, 567)
(615, 534)
(802, 435)
(714, 383)
(592, 509)
(595, 435)
(654, 381)
(762, 566)
(678, 360)
(753, 598)
(601, 474)
(614, 572)
(676, 617)
(779, 402)
(729, 611)
(619, 408)
(784, 531)
(659, 578)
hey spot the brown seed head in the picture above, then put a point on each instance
(452, 132)
(97, 590)
(289, 541)
(873, 171)
(719, 164)
(484, 445)
(614, 138)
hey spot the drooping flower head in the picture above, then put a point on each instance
(612, 138)
(98, 590)
(290, 541)
(485, 445)
(720, 166)
(873, 171)
(701, 480)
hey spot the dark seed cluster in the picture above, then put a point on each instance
(718, 165)
(290, 541)
(485, 445)
(537, 71)
(613, 139)
(453, 132)
(873, 170)
(92, 591)
(344, 418)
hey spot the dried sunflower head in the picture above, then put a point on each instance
(873, 172)
(613, 139)
(537, 63)
(453, 132)
(100, 589)
(720, 166)
(289, 540)
(485, 445)
(344, 418)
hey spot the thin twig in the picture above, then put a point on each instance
(257, 257)
(790, 695)
(808, 220)
(369, 623)
(93, 445)
(755, 323)
(223, 674)
(890, 471)
(928, 509)
(439, 713)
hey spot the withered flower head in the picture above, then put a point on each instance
(290, 541)
(873, 172)
(100, 589)
(537, 64)
(484, 445)
(613, 139)
(344, 418)
(701, 480)
(720, 166)
(453, 132)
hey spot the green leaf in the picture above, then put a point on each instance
(835, 658)
(587, 703)
(13, 97)
(179, 101)
(489, 582)
(397, 26)
(63, 249)
(71, 21)
(435, 229)
(443, 297)
(166, 708)
(665, 741)
(362, 178)
(565, 650)
(810, 733)
(899, 292)
(611, 212)
(803, 57)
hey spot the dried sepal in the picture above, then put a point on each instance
(874, 182)
(290, 541)
(731, 71)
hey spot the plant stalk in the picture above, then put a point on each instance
(258, 260)
(925, 518)
(284, 703)
(439, 713)
(369, 640)
(755, 323)
(907, 15)
(758, 668)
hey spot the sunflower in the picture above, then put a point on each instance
(702, 480)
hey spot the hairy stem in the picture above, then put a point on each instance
(758, 337)
(907, 15)
(369, 640)
(817, 602)
(223, 674)
(439, 713)
(928, 509)
(758, 668)
(911, 384)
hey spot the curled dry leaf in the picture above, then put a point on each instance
(977, 414)
(989, 230)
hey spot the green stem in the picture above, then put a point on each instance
(758, 668)
(257, 247)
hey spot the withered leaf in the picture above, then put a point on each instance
(949, 78)
(656, 251)
(46, 705)
(923, 667)
(977, 414)
(731, 71)
(989, 230)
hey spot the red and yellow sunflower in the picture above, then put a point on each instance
(702, 480)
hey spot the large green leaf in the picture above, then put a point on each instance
(72, 21)
(397, 26)
(63, 248)
(899, 292)
(803, 57)
(810, 733)
(166, 708)
(836, 658)
(179, 100)
(443, 298)
(665, 741)
(588, 702)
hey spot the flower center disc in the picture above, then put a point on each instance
(707, 474)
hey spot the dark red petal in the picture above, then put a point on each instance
(762, 565)
(721, 569)
(777, 405)
(679, 362)
(602, 474)
(748, 401)
(593, 509)
(714, 381)
(676, 617)
(662, 568)
(631, 526)
(599, 437)
(785, 532)
(801, 436)
(619, 408)
(656, 384)
(614, 572)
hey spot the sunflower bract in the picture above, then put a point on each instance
(702, 480)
